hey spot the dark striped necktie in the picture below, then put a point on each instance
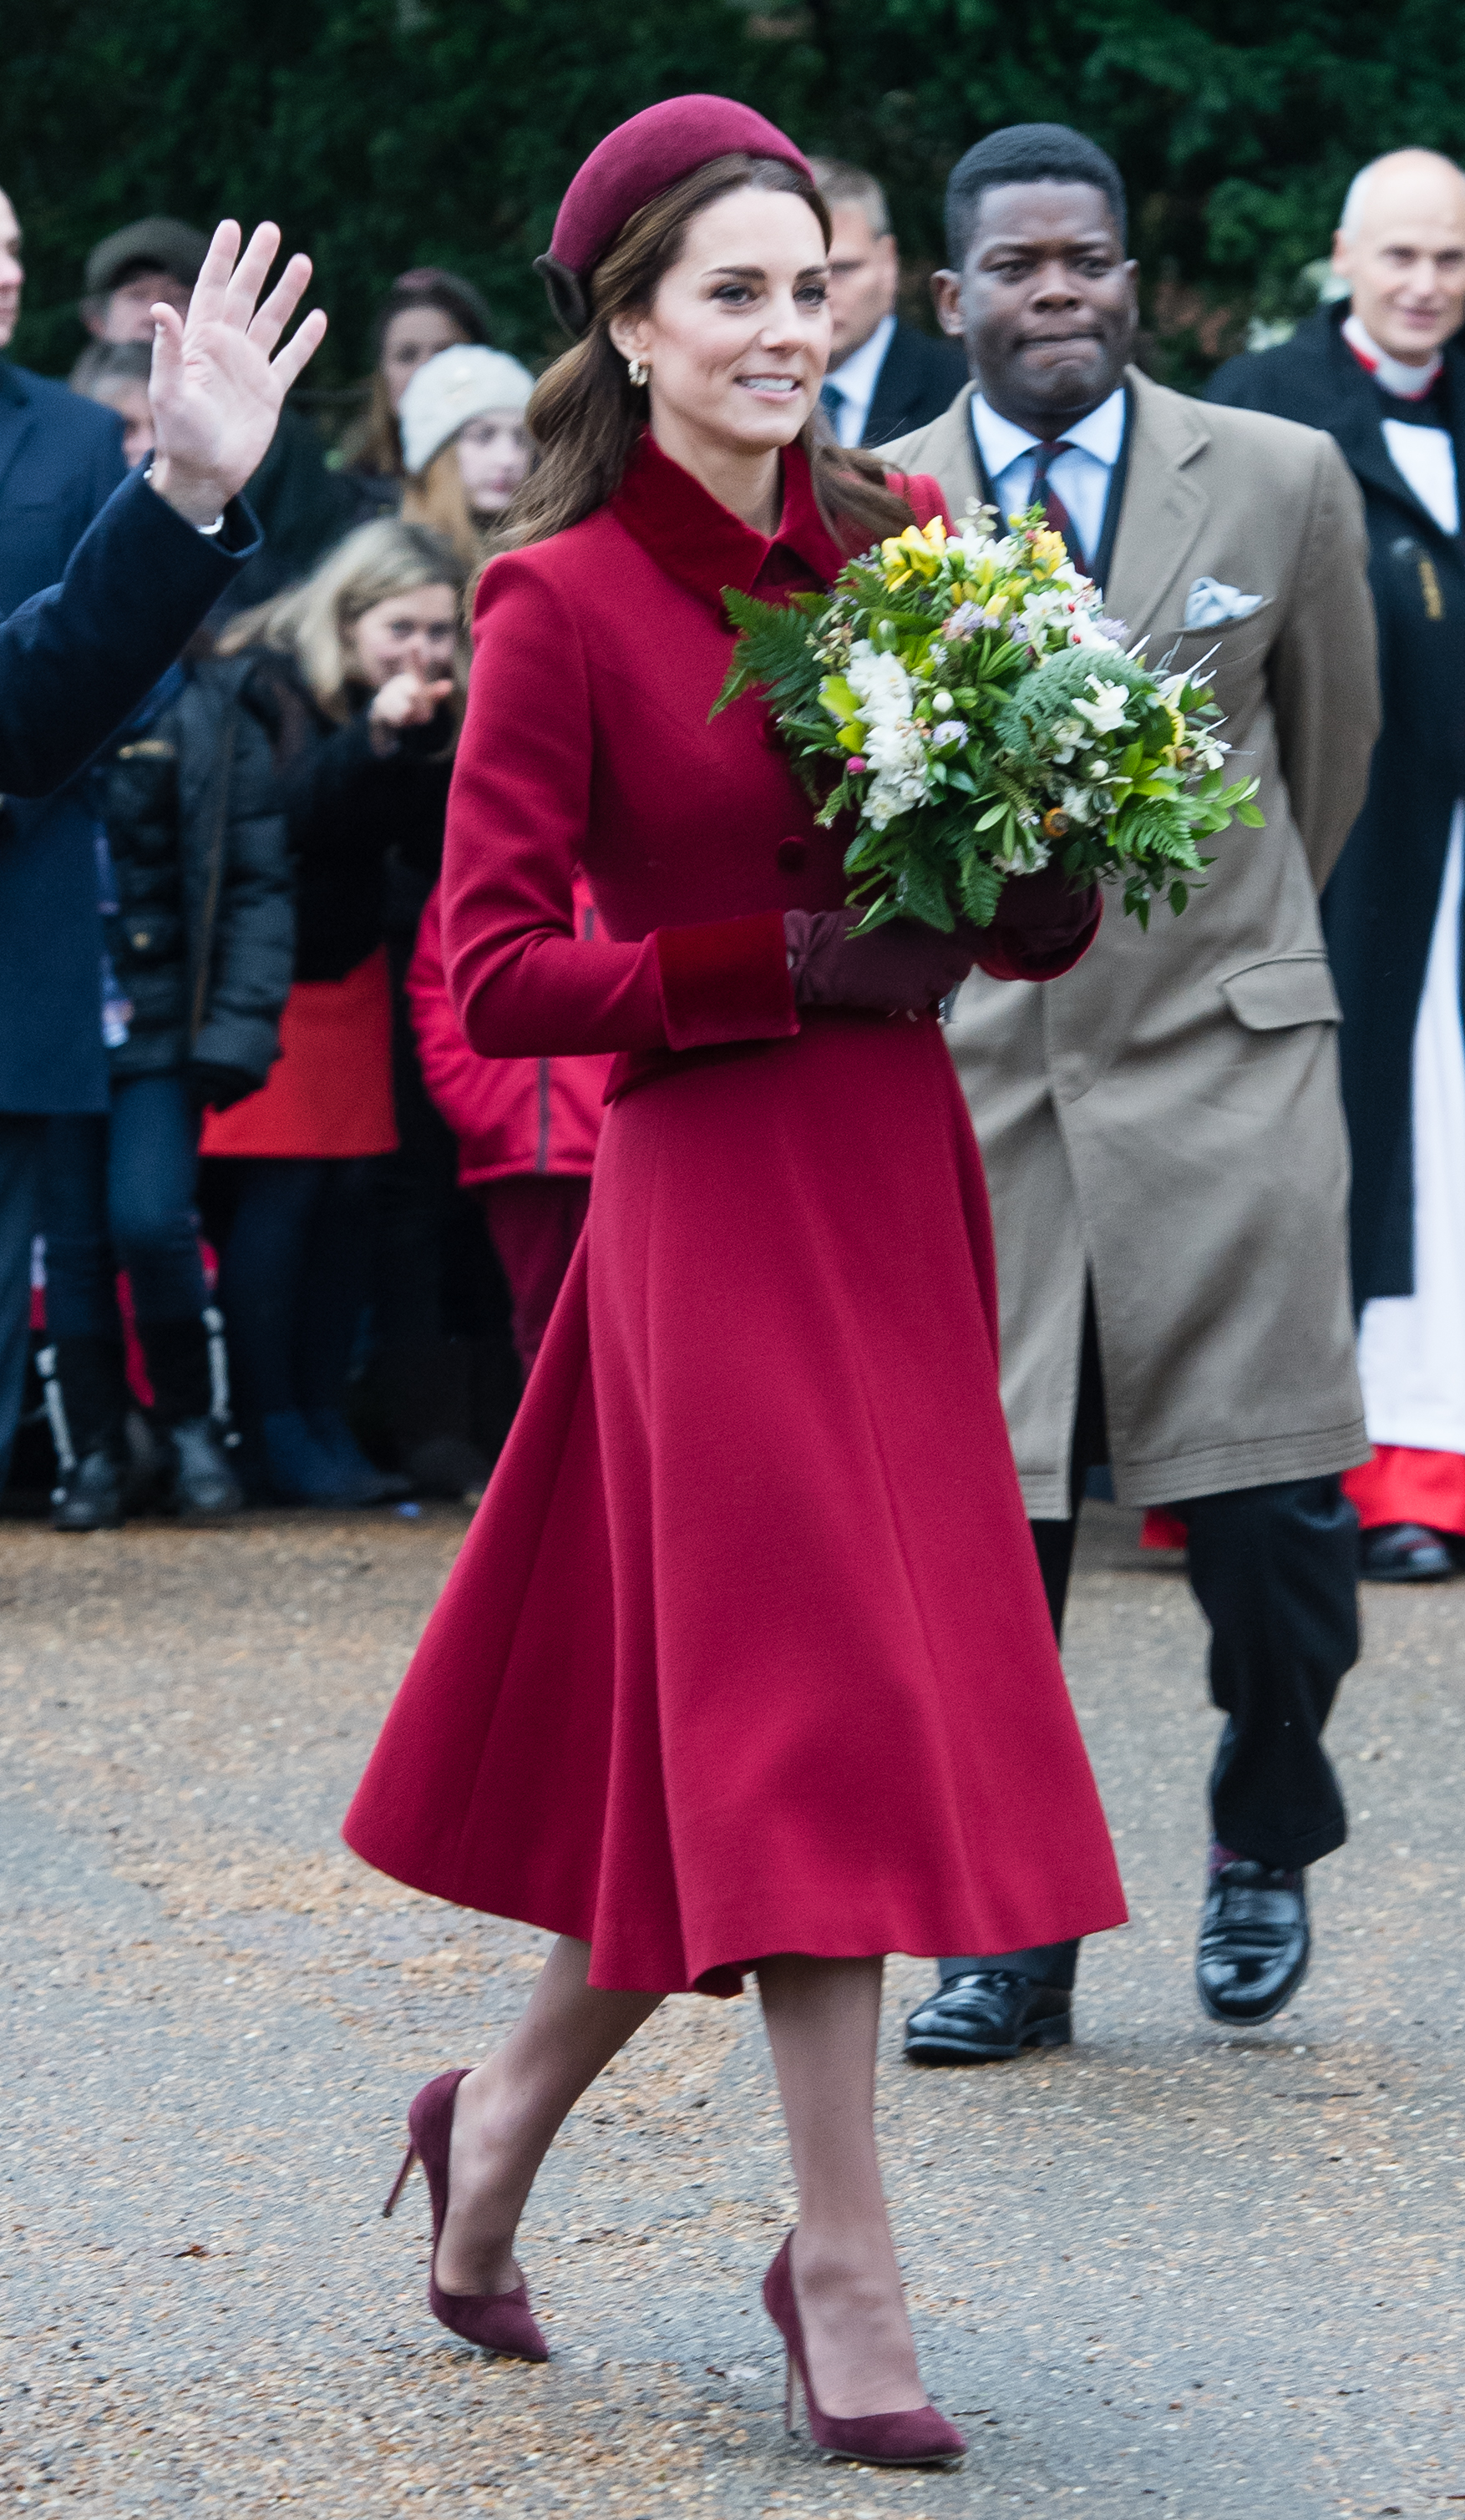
(1044, 496)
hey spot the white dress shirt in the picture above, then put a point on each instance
(1079, 478)
(855, 380)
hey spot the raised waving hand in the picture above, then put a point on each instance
(218, 377)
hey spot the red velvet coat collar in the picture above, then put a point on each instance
(703, 545)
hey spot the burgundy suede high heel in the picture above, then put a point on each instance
(912, 2437)
(503, 2321)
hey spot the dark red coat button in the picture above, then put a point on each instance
(793, 856)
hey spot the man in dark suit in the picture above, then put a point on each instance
(884, 377)
(1383, 373)
(89, 651)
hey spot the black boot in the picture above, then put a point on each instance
(424, 1388)
(86, 1402)
(188, 1369)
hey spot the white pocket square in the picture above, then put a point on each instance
(1208, 603)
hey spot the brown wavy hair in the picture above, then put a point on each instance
(586, 416)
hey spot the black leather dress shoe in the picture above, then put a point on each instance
(986, 2017)
(1404, 1553)
(1252, 1952)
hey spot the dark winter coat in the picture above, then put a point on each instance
(78, 656)
(202, 940)
(60, 459)
(366, 829)
(1379, 907)
(918, 377)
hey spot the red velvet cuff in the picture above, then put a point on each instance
(727, 980)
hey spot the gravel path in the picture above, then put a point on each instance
(1217, 2278)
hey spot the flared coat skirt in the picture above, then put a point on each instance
(746, 1650)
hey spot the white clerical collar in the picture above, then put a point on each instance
(1100, 433)
(855, 375)
(1411, 385)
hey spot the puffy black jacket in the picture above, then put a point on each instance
(366, 829)
(202, 938)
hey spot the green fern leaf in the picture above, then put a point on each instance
(772, 653)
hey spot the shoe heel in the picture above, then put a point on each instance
(1055, 2034)
(400, 2180)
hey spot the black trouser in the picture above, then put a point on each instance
(1275, 1571)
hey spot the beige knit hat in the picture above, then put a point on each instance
(452, 387)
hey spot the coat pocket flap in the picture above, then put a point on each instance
(1288, 989)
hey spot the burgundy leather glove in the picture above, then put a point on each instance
(901, 969)
(1045, 911)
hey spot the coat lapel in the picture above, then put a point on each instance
(946, 451)
(1163, 509)
(1357, 424)
(16, 418)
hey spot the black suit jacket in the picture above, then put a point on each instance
(74, 661)
(918, 377)
(1381, 900)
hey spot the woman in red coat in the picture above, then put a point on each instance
(745, 1662)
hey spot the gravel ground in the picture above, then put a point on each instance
(1218, 2275)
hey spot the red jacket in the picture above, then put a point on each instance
(509, 1115)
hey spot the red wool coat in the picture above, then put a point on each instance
(509, 1115)
(746, 1650)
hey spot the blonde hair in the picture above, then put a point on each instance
(311, 622)
(437, 499)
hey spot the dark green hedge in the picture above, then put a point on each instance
(387, 132)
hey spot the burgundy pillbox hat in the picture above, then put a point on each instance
(630, 166)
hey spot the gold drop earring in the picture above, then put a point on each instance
(638, 372)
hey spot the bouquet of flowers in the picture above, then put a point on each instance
(964, 697)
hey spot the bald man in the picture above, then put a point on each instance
(1381, 374)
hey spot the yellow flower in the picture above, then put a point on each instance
(913, 554)
(836, 696)
(1049, 550)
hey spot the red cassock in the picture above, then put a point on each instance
(746, 1650)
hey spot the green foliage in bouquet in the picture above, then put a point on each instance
(964, 698)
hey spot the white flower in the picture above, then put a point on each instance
(893, 744)
(1105, 712)
(1085, 632)
(880, 682)
(1077, 804)
(948, 731)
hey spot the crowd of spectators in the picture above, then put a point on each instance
(300, 1244)
(269, 1270)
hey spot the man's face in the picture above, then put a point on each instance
(1405, 260)
(12, 272)
(1046, 303)
(127, 315)
(864, 274)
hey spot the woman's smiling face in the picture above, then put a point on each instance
(737, 337)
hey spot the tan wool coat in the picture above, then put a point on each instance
(1164, 1119)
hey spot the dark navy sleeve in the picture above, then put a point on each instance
(75, 660)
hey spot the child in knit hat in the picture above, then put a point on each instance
(465, 444)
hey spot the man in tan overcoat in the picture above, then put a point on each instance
(1162, 1129)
